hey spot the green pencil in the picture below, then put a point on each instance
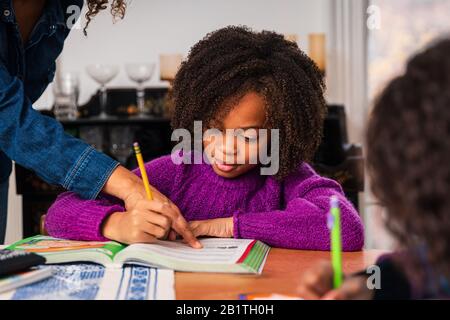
(334, 224)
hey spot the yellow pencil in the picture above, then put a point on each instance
(140, 161)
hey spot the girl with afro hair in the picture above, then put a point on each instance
(233, 79)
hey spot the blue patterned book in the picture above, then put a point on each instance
(95, 282)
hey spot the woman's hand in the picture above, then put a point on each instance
(317, 283)
(219, 228)
(127, 186)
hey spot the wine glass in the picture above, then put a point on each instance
(102, 74)
(66, 90)
(121, 138)
(140, 73)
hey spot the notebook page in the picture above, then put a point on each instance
(220, 251)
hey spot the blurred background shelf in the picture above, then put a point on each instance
(114, 135)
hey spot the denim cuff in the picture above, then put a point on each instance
(90, 173)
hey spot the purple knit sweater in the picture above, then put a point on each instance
(287, 214)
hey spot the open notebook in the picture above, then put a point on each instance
(217, 255)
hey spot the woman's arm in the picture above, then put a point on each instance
(303, 223)
(107, 217)
(39, 143)
(74, 218)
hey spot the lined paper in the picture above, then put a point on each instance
(215, 250)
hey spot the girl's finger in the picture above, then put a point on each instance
(198, 228)
(351, 289)
(178, 222)
(180, 225)
(334, 295)
(172, 235)
(306, 293)
(194, 224)
(318, 280)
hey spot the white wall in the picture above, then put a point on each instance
(14, 222)
(152, 27)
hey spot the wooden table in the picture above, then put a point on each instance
(281, 274)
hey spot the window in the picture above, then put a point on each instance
(404, 27)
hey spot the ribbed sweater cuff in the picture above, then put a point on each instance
(89, 224)
(236, 231)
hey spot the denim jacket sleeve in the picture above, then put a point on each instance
(39, 143)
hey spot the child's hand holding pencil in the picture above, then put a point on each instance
(317, 283)
(149, 215)
(326, 281)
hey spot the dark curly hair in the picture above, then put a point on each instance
(235, 60)
(118, 8)
(408, 143)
